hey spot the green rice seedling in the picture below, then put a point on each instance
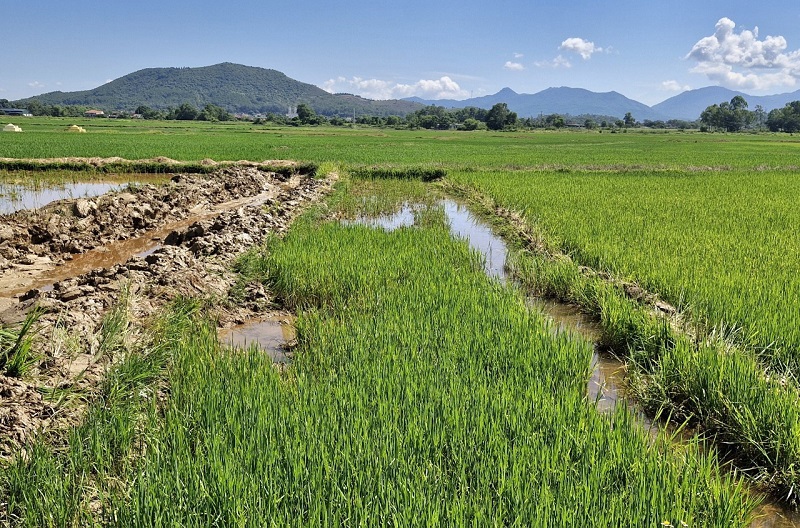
(66, 481)
(422, 392)
(16, 352)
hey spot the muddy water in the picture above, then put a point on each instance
(606, 386)
(271, 334)
(18, 197)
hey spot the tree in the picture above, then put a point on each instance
(554, 120)
(471, 124)
(214, 113)
(786, 119)
(146, 112)
(305, 113)
(499, 117)
(186, 112)
(629, 120)
(731, 116)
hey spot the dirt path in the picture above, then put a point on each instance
(74, 258)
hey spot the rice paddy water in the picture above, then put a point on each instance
(20, 197)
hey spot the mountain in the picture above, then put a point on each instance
(690, 104)
(251, 90)
(236, 88)
(573, 101)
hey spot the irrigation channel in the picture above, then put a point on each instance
(606, 386)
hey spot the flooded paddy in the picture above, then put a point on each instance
(608, 374)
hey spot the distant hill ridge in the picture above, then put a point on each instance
(237, 88)
(252, 90)
(577, 101)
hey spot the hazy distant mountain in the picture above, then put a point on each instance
(251, 90)
(573, 101)
(689, 105)
(234, 87)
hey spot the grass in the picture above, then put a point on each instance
(700, 377)
(703, 220)
(66, 480)
(17, 355)
(422, 392)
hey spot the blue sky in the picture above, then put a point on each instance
(646, 50)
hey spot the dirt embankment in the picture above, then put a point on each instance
(74, 259)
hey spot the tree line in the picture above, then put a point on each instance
(733, 116)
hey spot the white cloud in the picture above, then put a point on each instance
(558, 62)
(518, 55)
(442, 88)
(741, 60)
(582, 47)
(36, 84)
(674, 86)
(513, 66)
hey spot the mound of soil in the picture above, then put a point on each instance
(192, 229)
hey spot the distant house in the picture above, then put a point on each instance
(15, 112)
(94, 113)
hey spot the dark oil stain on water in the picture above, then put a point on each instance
(270, 334)
(606, 385)
(19, 197)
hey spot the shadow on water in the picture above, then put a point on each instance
(606, 386)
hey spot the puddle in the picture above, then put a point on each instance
(608, 372)
(19, 197)
(464, 224)
(402, 218)
(270, 334)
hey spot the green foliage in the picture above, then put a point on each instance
(732, 116)
(786, 119)
(16, 354)
(500, 117)
(421, 393)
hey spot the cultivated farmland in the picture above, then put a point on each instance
(422, 391)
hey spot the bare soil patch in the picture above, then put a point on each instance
(77, 258)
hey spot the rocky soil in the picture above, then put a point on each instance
(143, 246)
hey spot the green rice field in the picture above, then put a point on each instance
(424, 393)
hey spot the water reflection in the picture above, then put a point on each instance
(20, 197)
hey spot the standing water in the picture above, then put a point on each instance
(270, 334)
(20, 197)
